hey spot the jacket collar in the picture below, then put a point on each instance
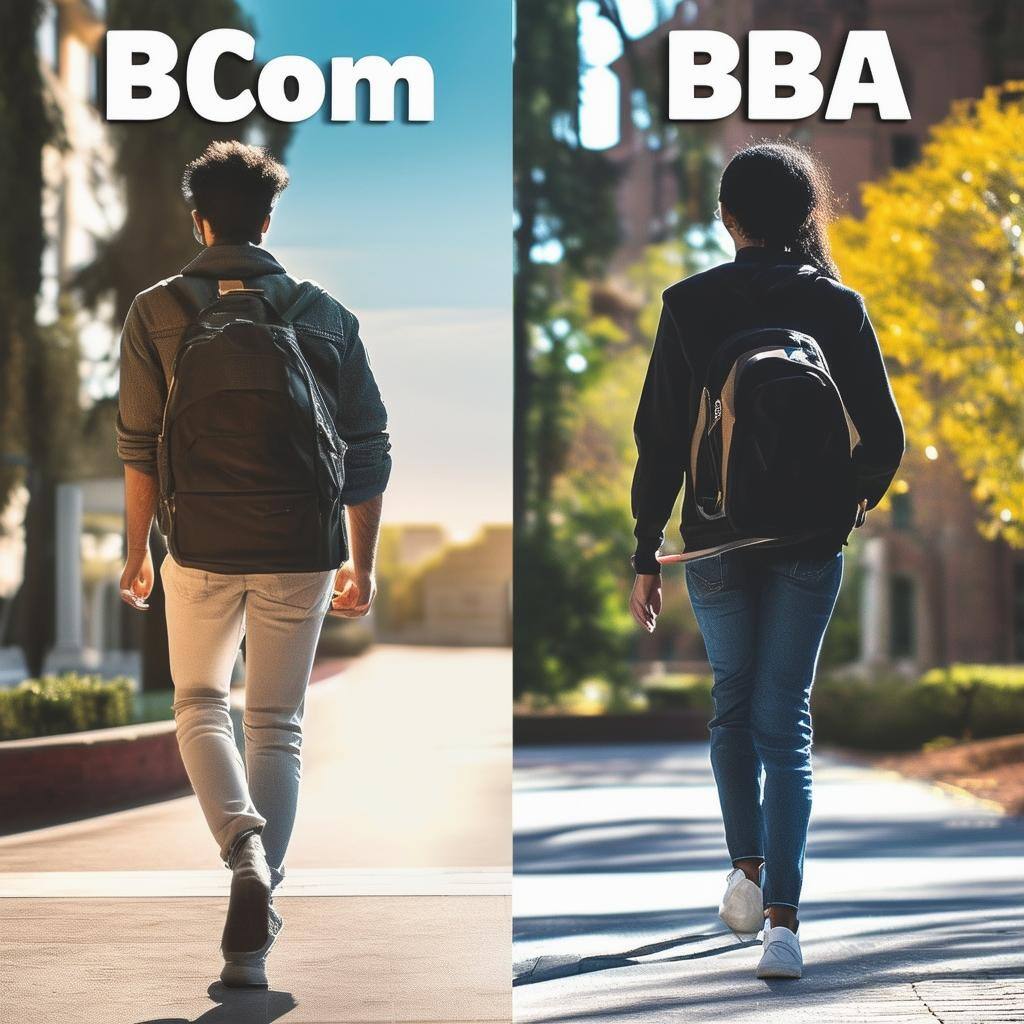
(765, 254)
(233, 261)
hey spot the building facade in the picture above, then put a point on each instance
(80, 204)
(934, 591)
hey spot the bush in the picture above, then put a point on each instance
(681, 692)
(887, 712)
(880, 713)
(67, 703)
(989, 699)
(963, 702)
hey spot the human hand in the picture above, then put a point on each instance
(354, 592)
(137, 579)
(645, 601)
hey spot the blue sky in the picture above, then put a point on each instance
(409, 225)
(405, 214)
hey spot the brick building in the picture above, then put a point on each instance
(934, 590)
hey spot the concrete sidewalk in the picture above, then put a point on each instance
(396, 902)
(913, 899)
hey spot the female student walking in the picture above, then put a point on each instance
(762, 609)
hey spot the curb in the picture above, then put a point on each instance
(85, 772)
(657, 727)
(73, 775)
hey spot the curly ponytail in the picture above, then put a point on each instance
(780, 195)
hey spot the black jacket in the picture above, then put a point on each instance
(698, 314)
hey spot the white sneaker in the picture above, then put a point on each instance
(782, 957)
(742, 906)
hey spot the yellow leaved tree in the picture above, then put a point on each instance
(939, 258)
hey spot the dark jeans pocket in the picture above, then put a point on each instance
(706, 575)
(813, 568)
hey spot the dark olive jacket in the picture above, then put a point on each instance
(327, 332)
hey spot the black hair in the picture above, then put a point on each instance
(780, 195)
(234, 187)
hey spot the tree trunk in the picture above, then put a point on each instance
(35, 612)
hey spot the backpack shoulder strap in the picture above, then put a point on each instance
(186, 293)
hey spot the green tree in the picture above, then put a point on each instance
(563, 201)
(155, 240)
(39, 407)
(573, 533)
(564, 224)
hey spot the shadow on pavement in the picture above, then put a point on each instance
(238, 1006)
(548, 968)
(904, 953)
(654, 844)
(970, 903)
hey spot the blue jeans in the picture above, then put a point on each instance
(763, 626)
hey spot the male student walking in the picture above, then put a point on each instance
(250, 425)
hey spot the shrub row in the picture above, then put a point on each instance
(888, 713)
(66, 703)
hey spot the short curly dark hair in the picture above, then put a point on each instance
(234, 187)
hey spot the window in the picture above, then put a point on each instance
(48, 37)
(902, 511)
(904, 149)
(95, 84)
(902, 639)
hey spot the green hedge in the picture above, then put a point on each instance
(680, 692)
(889, 712)
(880, 713)
(986, 700)
(66, 703)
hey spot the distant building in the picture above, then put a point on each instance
(80, 204)
(461, 595)
(407, 544)
(945, 50)
(934, 590)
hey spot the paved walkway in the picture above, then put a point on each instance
(913, 899)
(396, 903)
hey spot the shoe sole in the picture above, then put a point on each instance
(249, 970)
(246, 928)
(244, 976)
(779, 972)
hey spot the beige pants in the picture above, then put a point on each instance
(280, 614)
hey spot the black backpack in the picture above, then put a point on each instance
(772, 450)
(251, 467)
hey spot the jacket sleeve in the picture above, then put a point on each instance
(141, 396)
(660, 431)
(362, 423)
(864, 385)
